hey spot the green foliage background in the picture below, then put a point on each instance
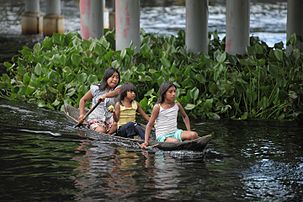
(267, 83)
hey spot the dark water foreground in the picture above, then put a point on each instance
(42, 158)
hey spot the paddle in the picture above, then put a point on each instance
(88, 113)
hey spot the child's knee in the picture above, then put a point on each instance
(194, 135)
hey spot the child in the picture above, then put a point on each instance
(101, 120)
(165, 113)
(125, 113)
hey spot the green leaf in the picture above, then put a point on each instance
(38, 69)
(76, 59)
(194, 93)
(29, 90)
(293, 95)
(26, 78)
(278, 54)
(221, 57)
(123, 53)
(190, 106)
(82, 77)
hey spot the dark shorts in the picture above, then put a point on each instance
(130, 130)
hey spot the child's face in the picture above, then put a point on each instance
(131, 95)
(170, 94)
(113, 81)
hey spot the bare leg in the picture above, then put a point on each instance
(171, 139)
(113, 129)
(100, 129)
(189, 135)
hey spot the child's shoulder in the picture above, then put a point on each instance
(157, 106)
(135, 104)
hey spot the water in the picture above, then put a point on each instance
(43, 158)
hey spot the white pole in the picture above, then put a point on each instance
(32, 21)
(32, 6)
(53, 22)
(91, 18)
(53, 7)
(237, 26)
(196, 34)
(127, 24)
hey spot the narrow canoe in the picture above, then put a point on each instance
(198, 145)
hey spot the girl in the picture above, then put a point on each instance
(165, 113)
(101, 120)
(125, 113)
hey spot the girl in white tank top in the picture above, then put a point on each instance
(165, 114)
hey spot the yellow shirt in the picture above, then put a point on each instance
(127, 114)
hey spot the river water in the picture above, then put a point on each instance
(43, 158)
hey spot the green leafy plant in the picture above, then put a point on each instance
(264, 84)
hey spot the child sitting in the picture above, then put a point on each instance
(125, 113)
(165, 113)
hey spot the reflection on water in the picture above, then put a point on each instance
(246, 161)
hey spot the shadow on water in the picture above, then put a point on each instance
(44, 158)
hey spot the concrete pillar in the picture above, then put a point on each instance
(196, 32)
(31, 20)
(127, 24)
(237, 26)
(53, 21)
(294, 19)
(91, 18)
(111, 16)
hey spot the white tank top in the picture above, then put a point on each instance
(166, 121)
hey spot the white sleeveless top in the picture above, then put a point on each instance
(166, 121)
(101, 113)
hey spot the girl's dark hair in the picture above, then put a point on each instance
(107, 74)
(163, 88)
(126, 87)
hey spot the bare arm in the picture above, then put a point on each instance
(184, 116)
(150, 125)
(110, 94)
(142, 112)
(88, 96)
(116, 112)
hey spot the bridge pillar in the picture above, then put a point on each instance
(111, 15)
(31, 20)
(294, 20)
(127, 24)
(53, 21)
(237, 26)
(91, 18)
(196, 32)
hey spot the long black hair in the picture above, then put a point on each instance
(107, 74)
(162, 90)
(124, 89)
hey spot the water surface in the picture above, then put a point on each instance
(44, 158)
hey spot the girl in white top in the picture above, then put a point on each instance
(101, 119)
(165, 114)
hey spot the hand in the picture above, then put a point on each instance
(101, 98)
(111, 108)
(144, 145)
(81, 119)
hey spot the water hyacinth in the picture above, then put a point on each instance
(264, 84)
